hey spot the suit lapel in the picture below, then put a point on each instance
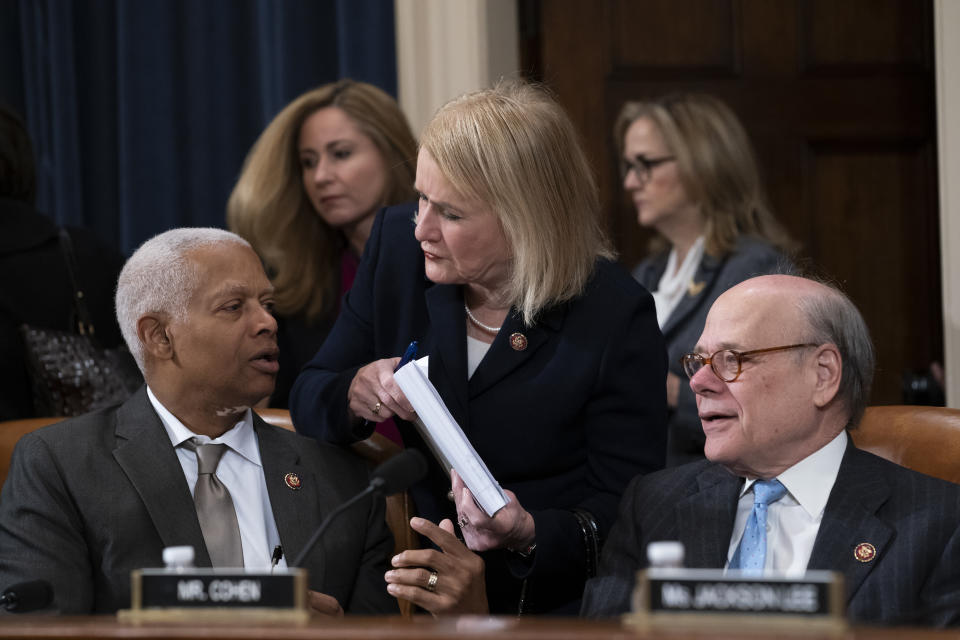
(850, 519)
(705, 519)
(148, 459)
(503, 356)
(448, 350)
(297, 511)
(698, 290)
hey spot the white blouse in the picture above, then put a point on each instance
(675, 281)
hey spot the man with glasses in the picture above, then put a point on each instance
(783, 368)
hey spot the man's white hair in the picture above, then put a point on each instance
(160, 278)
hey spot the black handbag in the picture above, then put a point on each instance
(70, 373)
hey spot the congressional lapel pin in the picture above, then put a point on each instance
(518, 341)
(694, 288)
(292, 481)
(865, 552)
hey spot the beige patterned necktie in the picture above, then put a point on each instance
(218, 518)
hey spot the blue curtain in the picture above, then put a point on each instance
(142, 111)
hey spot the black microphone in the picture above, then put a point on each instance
(398, 472)
(393, 476)
(27, 596)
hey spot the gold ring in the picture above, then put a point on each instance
(376, 408)
(432, 582)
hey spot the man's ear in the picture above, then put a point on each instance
(153, 330)
(829, 371)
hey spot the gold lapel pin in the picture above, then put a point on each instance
(292, 481)
(865, 552)
(518, 341)
(694, 288)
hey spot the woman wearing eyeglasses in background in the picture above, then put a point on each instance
(690, 171)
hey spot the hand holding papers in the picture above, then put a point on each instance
(446, 438)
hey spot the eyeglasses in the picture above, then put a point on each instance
(727, 363)
(642, 166)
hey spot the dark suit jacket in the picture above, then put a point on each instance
(90, 499)
(751, 257)
(564, 423)
(913, 520)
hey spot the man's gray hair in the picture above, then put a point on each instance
(160, 278)
(833, 318)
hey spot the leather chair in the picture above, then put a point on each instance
(10, 432)
(925, 439)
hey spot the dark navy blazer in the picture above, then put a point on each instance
(565, 423)
(911, 519)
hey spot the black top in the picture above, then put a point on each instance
(298, 341)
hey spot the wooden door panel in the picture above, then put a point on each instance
(865, 33)
(854, 246)
(648, 34)
(838, 99)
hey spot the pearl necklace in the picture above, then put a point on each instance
(485, 327)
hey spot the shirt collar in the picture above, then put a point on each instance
(811, 480)
(240, 438)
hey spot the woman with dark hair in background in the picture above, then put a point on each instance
(688, 166)
(306, 199)
(544, 350)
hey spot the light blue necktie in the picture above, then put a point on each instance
(751, 554)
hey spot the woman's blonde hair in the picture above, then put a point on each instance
(717, 168)
(514, 148)
(269, 208)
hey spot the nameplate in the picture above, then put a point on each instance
(196, 591)
(706, 597)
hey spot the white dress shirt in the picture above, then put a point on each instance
(794, 520)
(241, 472)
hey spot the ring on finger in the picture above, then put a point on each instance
(463, 521)
(432, 582)
(376, 408)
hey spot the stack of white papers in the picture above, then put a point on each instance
(446, 438)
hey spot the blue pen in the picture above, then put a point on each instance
(408, 355)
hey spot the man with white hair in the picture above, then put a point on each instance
(781, 372)
(90, 499)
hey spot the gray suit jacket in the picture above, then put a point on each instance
(913, 520)
(751, 257)
(90, 499)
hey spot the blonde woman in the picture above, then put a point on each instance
(545, 351)
(690, 171)
(306, 199)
